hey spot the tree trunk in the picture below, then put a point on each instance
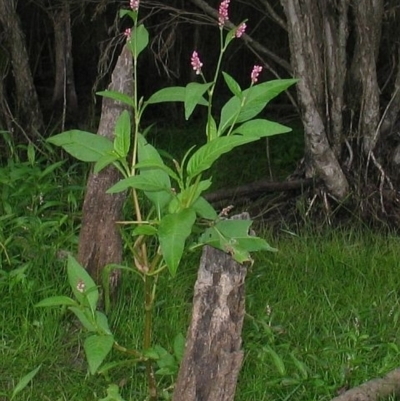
(305, 25)
(368, 25)
(28, 112)
(65, 101)
(100, 240)
(213, 355)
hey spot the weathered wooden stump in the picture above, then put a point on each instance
(99, 239)
(213, 355)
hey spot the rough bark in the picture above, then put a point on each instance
(368, 25)
(64, 95)
(306, 48)
(335, 28)
(374, 390)
(28, 112)
(100, 240)
(213, 355)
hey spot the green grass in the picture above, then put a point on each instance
(322, 313)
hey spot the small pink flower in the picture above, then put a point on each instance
(128, 33)
(240, 30)
(134, 4)
(223, 12)
(255, 73)
(196, 63)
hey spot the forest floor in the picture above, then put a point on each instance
(322, 312)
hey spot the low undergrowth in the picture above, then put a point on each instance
(322, 313)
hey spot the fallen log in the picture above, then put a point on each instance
(213, 355)
(257, 188)
(375, 389)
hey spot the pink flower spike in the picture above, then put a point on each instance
(255, 73)
(223, 15)
(196, 63)
(134, 4)
(128, 33)
(240, 30)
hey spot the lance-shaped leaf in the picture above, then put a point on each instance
(83, 145)
(150, 184)
(148, 153)
(193, 95)
(204, 209)
(83, 286)
(139, 40)
(122, 140)
(118, 96)
(233, 86)
(256, 98)
(97, 348)
(172, 94)
(188, 196)
(261, 128)
(56, 301)
(205, 156)
(24, 381)
(172, 234)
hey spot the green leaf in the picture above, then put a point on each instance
(157, 164)
(204, 157)
(145, 229)
(204, 209)
(230, 36)
(24, 381)
(150, 183)
(179, 346)
(56, 301)
(301, 367)
(83, 145)
(31, 153)
(166, 362)
(102, 323)
(113, 394)
(48, 170)
(83, 286)
(172, 233)
(97, 348)
(188, 196)
(118, 96)
(256, 98)
(171, 94)
(85, 316)
(278, 361)
(212, 131)
(232, 236)
(233, 86)
(193, 94)
(139, 40)
(104, 161)
(261, 128)
(151, 353)
(122, 140)
(148, 153)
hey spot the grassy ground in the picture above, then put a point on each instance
(322, 313)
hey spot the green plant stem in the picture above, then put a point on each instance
(132, 352)
(211, 90)
(149, 298)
